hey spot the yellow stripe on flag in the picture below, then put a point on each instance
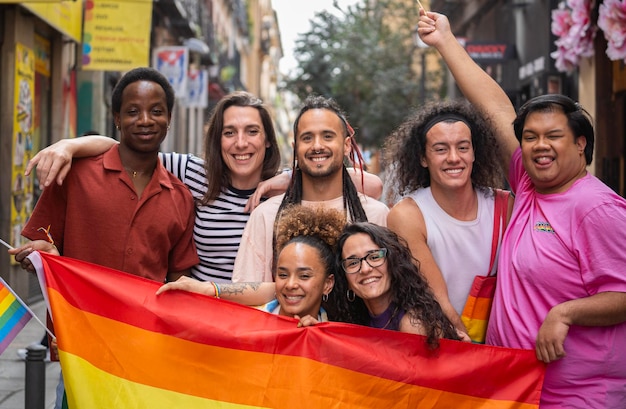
(6, 299)
(122, 393)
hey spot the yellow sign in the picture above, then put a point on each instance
(116, 36)
(65, 16)
(22, 200)
(28, 1)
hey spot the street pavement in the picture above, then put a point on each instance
(12, 368)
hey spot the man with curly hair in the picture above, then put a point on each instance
(445, 165)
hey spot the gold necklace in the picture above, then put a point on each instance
(134, 172)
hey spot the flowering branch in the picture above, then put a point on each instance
(612, 21)
(571, 23)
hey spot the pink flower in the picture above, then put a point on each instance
(580, 10)
(612, 21)
(565, 59)
(561, 21)
(571, 23)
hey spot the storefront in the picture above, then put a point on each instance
(38, 48)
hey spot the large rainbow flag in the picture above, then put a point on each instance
(13, 315)
(121, 346)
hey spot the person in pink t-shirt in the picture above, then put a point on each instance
(561, 282)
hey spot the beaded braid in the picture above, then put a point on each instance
(351, 201)
(293, 195)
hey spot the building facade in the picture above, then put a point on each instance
(48, 92)
(39, 48)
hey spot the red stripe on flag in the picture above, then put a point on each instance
(462, 368)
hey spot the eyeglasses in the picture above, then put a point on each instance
(374, 258)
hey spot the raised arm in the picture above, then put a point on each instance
(55, 161)
(252, 294)
(477, 86)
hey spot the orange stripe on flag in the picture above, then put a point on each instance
(112, 324)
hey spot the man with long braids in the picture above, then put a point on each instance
(322, 140)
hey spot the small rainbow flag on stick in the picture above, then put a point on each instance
(14, 315)
(121, 346)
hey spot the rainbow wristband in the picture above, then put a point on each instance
(217, 289)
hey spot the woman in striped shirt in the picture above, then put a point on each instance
(241, 151)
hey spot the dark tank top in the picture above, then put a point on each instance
(389, 319)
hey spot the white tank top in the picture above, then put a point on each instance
(461, 249)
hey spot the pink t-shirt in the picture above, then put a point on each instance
(560, 247)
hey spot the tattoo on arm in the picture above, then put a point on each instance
(238, 288)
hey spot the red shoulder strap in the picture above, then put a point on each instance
(501, 206)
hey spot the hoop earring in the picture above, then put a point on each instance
(295, 164)
(325, 297)
(350, 294)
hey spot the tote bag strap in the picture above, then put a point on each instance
(501, 205)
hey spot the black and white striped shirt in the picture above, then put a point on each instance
(218, 226)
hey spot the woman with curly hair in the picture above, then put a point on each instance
(304, 272)
(379, 284)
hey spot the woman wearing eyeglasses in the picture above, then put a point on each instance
(378, 285)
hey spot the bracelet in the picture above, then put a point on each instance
(217, 289)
